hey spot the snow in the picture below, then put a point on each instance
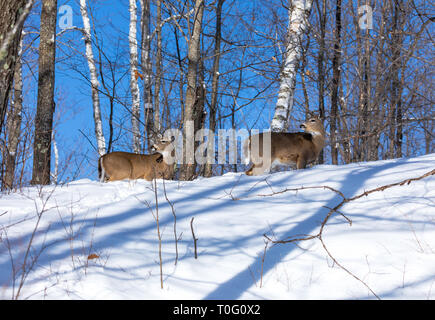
(390, 245)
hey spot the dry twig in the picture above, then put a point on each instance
(175, 222)
(194, 238)
(344, 200)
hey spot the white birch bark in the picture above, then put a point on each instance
(134, 87)
(101, 143)
(298, 24)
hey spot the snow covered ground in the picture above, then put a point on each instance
(87, 240)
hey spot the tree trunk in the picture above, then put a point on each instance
(214, 90)
(380, 90)
(298, 24)
(198, 109)
(147, 72)
(396, 91)
(101, 143)
(134, 86)
(199, 112)
(14, 122)
(13, 13)
(191, 97)
(157, 121)
(45, 107)
(335, 84)
(360, 149)
(321, 65)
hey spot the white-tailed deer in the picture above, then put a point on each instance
(300, 148)
(124, 165)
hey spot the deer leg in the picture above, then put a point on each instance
(301, 163)
(257, 170)
(249, 172)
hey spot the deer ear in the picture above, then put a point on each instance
(314, 114)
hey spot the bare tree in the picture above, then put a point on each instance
(298, 13)
(158, 64)
(335, 83)
(215, 84)
(13, 125)
(151, 119)
(13, 13)
(321, 72)
(101, 143)
(46, 105)
(191, 91)
(134, 74)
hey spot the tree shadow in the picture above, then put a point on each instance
(241, 282)
(225, 191)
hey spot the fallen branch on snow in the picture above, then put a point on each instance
(344, 200)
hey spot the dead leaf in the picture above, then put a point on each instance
(138, 74)
(93, 256)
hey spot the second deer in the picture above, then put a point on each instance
(300, 148)
(124, 165)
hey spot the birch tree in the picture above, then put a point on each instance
(45, 105)
(101, 143)
(298, 13)
(134, 74)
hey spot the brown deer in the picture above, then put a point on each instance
(124, 165)
(300, 148)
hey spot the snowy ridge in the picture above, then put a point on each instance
(99, 240)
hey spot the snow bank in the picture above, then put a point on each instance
(87, 240)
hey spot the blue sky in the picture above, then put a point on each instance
(73, 119)
(74, 126)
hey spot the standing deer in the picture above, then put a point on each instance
(124, 165)
(300, 148)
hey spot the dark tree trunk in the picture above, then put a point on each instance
(396, 91)
(45, 107)
(147, 73)
(13, 125)
(12, 16)
(215, 83)
(321, 65)
(188, 169)
(335, 84)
